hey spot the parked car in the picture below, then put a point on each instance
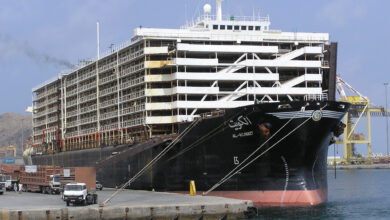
(99, 186)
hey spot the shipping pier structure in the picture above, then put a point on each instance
(161, 77)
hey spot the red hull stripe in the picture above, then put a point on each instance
(276, 198)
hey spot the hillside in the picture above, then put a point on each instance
(11, 126)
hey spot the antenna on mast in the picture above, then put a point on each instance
(219, 10)
(98, 44)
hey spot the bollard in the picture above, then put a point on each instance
(47, 214)
(151, 213)
(126, 210)
(224, 217)
(192, 188)
(20, 215)
(100, 214)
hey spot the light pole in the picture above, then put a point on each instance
(22, 136)
(387, 123)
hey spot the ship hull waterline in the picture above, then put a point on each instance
(290, 171)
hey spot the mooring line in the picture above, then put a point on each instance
(231, 174)
(154, 160)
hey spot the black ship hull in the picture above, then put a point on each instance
(290, 168)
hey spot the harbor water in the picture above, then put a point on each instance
(354, 194)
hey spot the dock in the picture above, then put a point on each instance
(129, 204)
(360, 166)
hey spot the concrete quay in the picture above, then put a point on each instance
(129, 204)
(360, 166)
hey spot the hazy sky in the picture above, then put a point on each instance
(38, 39)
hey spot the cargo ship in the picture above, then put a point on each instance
(247, 112)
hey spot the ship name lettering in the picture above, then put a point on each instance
(243, 134)
(235, 160)
(241, 121)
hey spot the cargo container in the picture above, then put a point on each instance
(85, 175)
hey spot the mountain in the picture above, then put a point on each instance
(11, 127)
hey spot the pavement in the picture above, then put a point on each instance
(128, 203)
(28, 200)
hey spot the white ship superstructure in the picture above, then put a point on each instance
(162, 77)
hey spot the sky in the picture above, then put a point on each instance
(41, 38)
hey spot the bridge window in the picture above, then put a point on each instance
(258, 28)
(229, 27)
(250, 28)
(243, 28)
(236, 27)
(215, 27)
(222, 27)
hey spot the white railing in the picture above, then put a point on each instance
(107, 66)
(88, 120)
(87, 98)
(39, 123)
(51, 91)
(71, 92)
(47, 82)
(107, 79)
(88, 131)
(132, 96)
(52, 100)
(109, 127)
(38, 132)
(71, 124)
(132, 69)
(109, 103)
(133, 109)
(37, 115)
(40, 95)
(71, 114)
(71, 103)
(131, 57)
(133, 82)
(71, 82)
(316, 97)
(108, 91)
(109, 115)
(41, 104)
(52, 119)
(87, 87)
(72, 134)
(133, 122)
(87, 75)
(52, 110)
(88, 109)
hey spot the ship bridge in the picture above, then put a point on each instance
(232, 23)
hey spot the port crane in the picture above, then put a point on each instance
(361, 107)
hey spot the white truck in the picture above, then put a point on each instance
(78, 193)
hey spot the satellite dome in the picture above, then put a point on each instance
(207, 8)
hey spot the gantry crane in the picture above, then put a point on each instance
(361, 106)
